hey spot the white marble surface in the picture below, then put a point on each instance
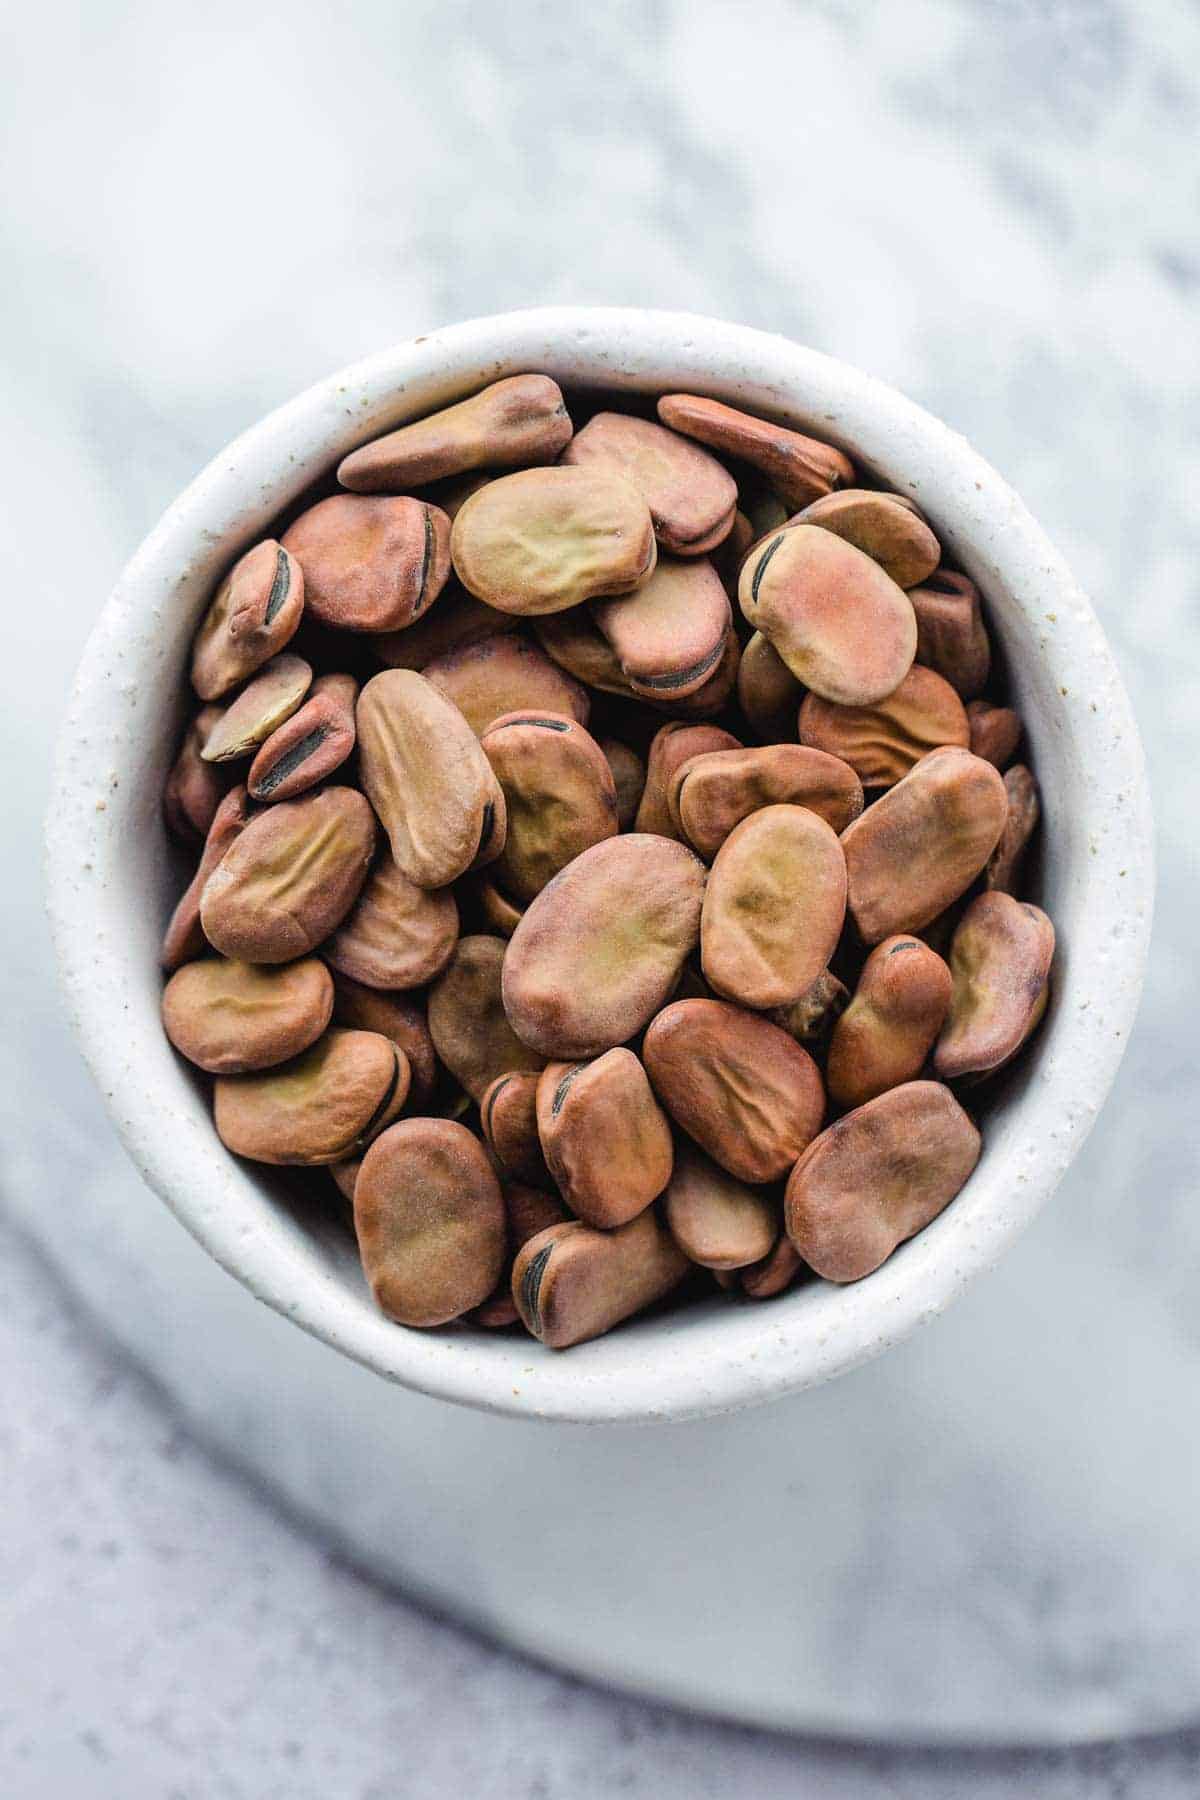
(992, 205)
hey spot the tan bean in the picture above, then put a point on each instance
(922, 843)
(889, 1028)
(692, 498)
(886, 527)
(606, 1140)
(768, 692)
(458, 619)
(995, 732)
(228, 1017)
(429, 1217)
(527, 1211)
(505, 674)
(572, 1282)
(671, 634)
(877, 1177)
(184, 937)
(813, 1016)
(775, 1273)
(508, 1117)
(573, 641)
(882, 742)
(345, 1174)
(290, 878)
(629, 778)
(261, 708)
(194, 788)
(601, 947)
(799, 468)
(547, 539)
(670, 748)
(559, 797)
(495, 909)
(514, 422)
(467, 1020)
(709, 794)
(397, 935)
(323, 1106)
(741, 1087)
(310, 745)
(1000, 960)
(253, 616)
(951, 637)
(370, 564)
(1024, 809)
(400, 1017)
(774, 907)
(716, 1220)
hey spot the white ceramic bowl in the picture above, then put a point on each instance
(113, 879)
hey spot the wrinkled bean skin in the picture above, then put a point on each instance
(837, 620)
(742, 1088)
(194, 788)
(511, 424)
(502, 675)
(430, 1221)
(716, 1220)
(370, 564)
(230, 1017)
(527, 1211)
(323, 1106)
(922, 843)
(951, 638)
(184, 937)
(774, 907)
(995, 732)
(290, 878)
(397, 935)
(813, 1016)
(544, 540)
(691, 496)
(884, 527)
(253, 616)
(458, 620)
(670, 748)
(629, 779)
(882, 742)
(572, 1283)
(600, 949)
(559, 797)
(670, 635)
(799, 468)
(768, 692)
(878, 1176)
(1000, 960)
(709, 794)
(775, 1273)
(261, 707)
(427, 778)
(1024, 809)
(467, 1019)
(508, 1117)
(606, 1140)
(310, 745)
(400, 1017)
(889, 1028)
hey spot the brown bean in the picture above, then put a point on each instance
(1000, 960)
(273, 696)
(505, 674)
(838, 621)
(629, 778)
(290, 878)
(692, 498)
(670, 635)
(253, 616)
(813, 1016)
(877, 1177)
(768, 692)
(559, 797)
(310, 745)
(427, 778)
(741, 1087)
(716, 1220)
(514, 422)
(601, 947)
(670, 748)
(922, 843)
(495, 909)
(995, 732)
(458, 619)
(323, 1106)
(799, 468)
(883, 741)
(194, 788)
(345, 1174)
(774, 907)
(370, 564)
(714, 696)
(951, 638)
(1024, 809)
(709, 794)
(728, 554)
(527, 1211)
(429, 1217)
(397, 935)
(573, 641)
(400, 1017)
(467, 1020)
(228, 1017)
(508, 1117)
(885, 527)
(184, 937)
(775, 1273)
(606, 1140)
(890, 1026)
(573, 1282)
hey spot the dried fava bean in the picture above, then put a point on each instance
(670, 635)
(670, 748)
(1024, 808)
(601, 947)
(228, 1017)
(194, 788)
(883, 741)
(512, 423)
(1000, 960)
(184, 937)
(691, 496)
(427, 778)
(890, 1026)
(713, 697)
(799, 468)
(838, 621)
(812, 1017)
(572, 640)
(877, 1177)
(323, 1106)
(951, 638)
(776, 1272)
(527, 1211)
(547, 539)
(467, 1020)
(572, 1282)
(995, 732)
(256, 610)
(508, 1116)
(452, 493)
(310, 745)
(261, 708)
(728, 554)
(629, 778)
(774, 907)
(709, 794)
(370, 564)
(886, 527)
(429, 1217)
(396, 1016)
(345, 1174)
(505, 674)
(741, 1087)
(496, 909)
(457, 620)
(290, 878)
(716, 1220)
(922, 843)
(559, 797)
(605, 1138)
(397, 935)
(768, 692)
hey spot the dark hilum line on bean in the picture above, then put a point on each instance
(425, 563)
(485, 830)
(290, 761)
(542, 725)
(486, 1120)
(364, 1136)
(531, 1287)
(674, 681)
(561, 1091)
(280, 585)
(761, 570)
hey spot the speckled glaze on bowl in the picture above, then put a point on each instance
(112, 877)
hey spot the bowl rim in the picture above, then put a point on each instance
(644, 1373)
